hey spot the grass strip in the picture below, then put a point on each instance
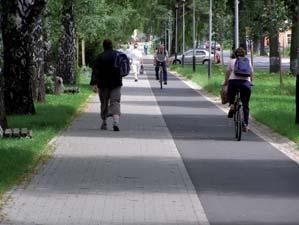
(270, 104)
(19, 157)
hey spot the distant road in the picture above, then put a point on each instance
(260, 62)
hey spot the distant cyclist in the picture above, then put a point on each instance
(161, 58)
(239, 75)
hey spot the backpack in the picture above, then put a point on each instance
(242, 67)
(122, 63)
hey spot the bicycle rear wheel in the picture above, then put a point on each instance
(238, 124)
(161, 78)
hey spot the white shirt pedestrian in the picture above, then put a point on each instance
(136, 56)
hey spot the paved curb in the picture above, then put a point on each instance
(281, 143)
(50, 148)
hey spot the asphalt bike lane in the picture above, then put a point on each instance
(246, 182)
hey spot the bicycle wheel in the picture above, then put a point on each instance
(238, 124)
(161, 78)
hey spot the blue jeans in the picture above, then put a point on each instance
(245, 93)
(164, 70)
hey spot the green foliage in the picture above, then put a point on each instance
(95, 20)
(274, 16)
(49, 84)
(222, 23)
(19, 156)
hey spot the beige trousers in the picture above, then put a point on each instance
(110, 102)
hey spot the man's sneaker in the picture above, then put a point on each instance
(136, 80)
(245, 128)
(115, 128)
(104, 126)
(231, 112)
(165, 82)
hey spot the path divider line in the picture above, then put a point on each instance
(197, 206)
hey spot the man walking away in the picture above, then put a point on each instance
(107, 79)
(137, 61)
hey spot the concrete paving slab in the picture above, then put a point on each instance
(132, 177)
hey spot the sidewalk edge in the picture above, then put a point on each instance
(44, 158)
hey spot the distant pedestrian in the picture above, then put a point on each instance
(107, 79)
(145, 48)
(137, 61)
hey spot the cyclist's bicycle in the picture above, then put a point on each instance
(160, 73)
(238, 116)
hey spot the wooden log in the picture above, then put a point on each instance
(8, 133)
(16, 132)
(24, 132)
(29, 133)
(72, 90)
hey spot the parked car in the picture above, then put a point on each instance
(201, 57)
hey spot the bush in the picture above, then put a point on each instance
(49, 84)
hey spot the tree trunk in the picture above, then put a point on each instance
(297, 98)
(293, 53)
(297, 77)
(38, 81)
(256, 44)
(3, 122)
(251, 54)
(262, 45)
(48, 54)
(83, 53)
(67, 50)
(242, 26)
(243, 40)
(77, 52)
(18, 20)
(274, 53)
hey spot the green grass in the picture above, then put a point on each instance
(19, 157)
(270, 104)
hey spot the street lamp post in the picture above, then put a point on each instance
(210, 40)
(236, 24)
(176, 32)
(194, 36)
(165, 36)
(169, 33)
(183, 55)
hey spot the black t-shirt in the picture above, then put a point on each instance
(104, 74)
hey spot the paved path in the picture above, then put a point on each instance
(239, 183)
(137, 176)
(132, 177)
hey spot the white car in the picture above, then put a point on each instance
(201, 57)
